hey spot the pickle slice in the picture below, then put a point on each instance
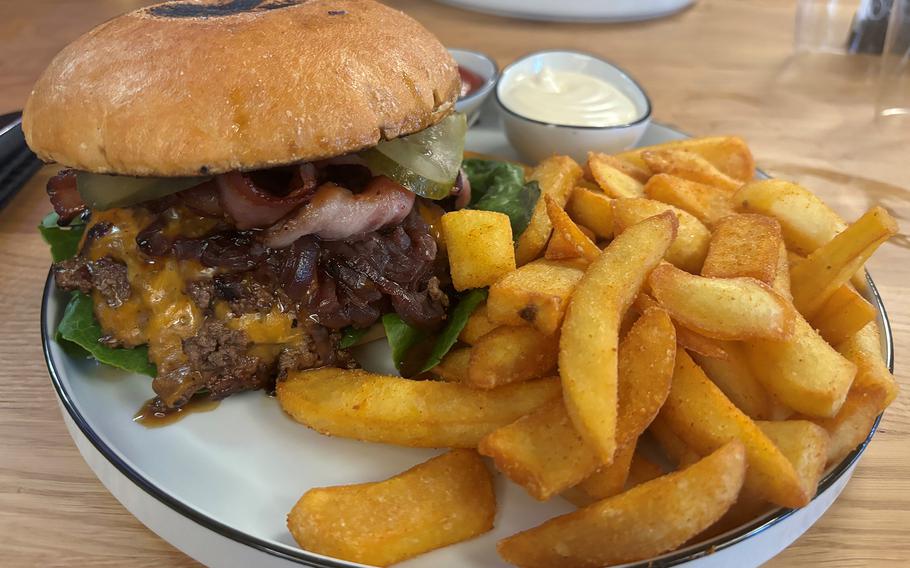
(100, 191)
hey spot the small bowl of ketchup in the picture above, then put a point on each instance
(478, 77)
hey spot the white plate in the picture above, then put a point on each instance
(218, 485)
(576, 10)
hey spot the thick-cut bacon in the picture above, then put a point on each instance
(61, 189)
(335, 213)
(252, 207)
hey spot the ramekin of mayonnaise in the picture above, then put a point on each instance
(566, 102)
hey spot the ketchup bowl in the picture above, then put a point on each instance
(478, 77)
(568, 102)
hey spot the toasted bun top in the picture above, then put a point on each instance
(197, 87)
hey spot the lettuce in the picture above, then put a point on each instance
(64, 241)
(500, 186)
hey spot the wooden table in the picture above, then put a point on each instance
(720, 67)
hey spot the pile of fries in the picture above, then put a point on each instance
(671, 345)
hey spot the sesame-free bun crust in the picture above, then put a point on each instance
(188, 88)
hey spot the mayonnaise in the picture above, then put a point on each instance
(569, 98)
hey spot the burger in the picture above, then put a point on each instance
(248, 185)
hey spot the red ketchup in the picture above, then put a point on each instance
(470, 81)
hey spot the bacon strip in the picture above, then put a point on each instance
(336, 214)
(251, 207)
(61, 189)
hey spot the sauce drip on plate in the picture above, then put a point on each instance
(153, 414)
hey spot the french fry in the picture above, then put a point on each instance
(479, 245)
(612, 180)
(574, 243)
(673, 446)
(511, 354)
(853, 423)
(803, 443)
(690, 166)
(639, 173)
(804, 373)
(454, 366)
(592, 209)
(685, 337)
(833, 264)
(588, 345)
(544, 453)
(442, 501)
(745, 245)
(735, 379)
(705, 419)
(638, 524)
(479, 324)
(689, 249)
(709, 204)
(781, 283)
(805, 221)
(536, 294)
(729, 154)
(842, 315)
(356, 404)
(722, 308)
(749, 506)
(606, 481)
(864, 350)
(557, 176)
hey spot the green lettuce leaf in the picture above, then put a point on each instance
(64, 241)
(500, 186)
(350, 336)
(402, 337)
(80, 327)
(458, 318)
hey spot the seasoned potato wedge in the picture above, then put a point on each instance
(722, 308)
(536, 294)
(853, 422)
(685, 337)
(479, 324)
(805, 221)
(636, 525)
(511, 354)
(842, 315)
(700, 414)
(445, 500)
(806, 446)
(588, 346)
(735, 378)
(864, 349)
(573, 243)
(544, 453)
(392, 410)
(830, 266)
(689, 249)
(611, 179)
(709, 204)
(454, 366)
(479, 245)
(605, 481)
(729, 154)
(688, 165)
(592, 209)
(557, 176)
(781, 283)
(745, 245)
(680, 453)
(804, 372)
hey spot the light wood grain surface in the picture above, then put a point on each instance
(720, 67)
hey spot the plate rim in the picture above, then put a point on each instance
(306, 558)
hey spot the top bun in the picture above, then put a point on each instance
(200, 87)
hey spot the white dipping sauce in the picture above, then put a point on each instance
(569, 98)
